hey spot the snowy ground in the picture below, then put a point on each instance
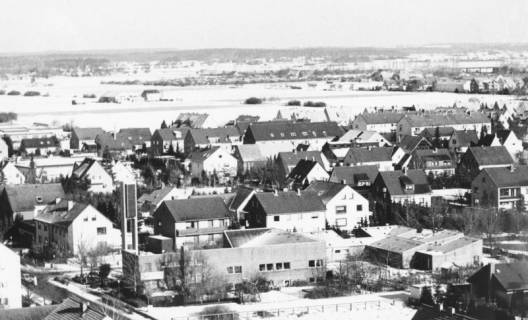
(223, 103)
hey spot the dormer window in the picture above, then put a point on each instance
(409, 187)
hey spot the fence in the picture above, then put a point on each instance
(297, 311)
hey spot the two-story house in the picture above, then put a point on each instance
(478, 158)
(163, 140)
(290, 210)
(224, 137)
(402, 186)
(382, 121)
(503, 187)
(70, 226)
(11, 174)
(437, 162)
(139, 138)
(305, 172)
(506, 138)
(100, 180)
(360, 178)
(286, 161)
(215, 160)
(195, 222)
(461, 140)
(346, 209)
(84, 138)
(380, 157)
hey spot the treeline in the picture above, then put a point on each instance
(8, 116)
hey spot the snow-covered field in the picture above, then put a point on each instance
(223, 103)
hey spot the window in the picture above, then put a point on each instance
(238, 269)
(39, 226)
(269, 267)
(85, 219)
(359, 207)
(45, 228)
(319, 263)
(311, 263)
(262, 267)
(286, 265)
(278, 266)
(341, 222)
(340, 209)
(315, 216)
(276, 218)
(101, 231)
(337, 251)
(94, 218)
(293, 134)
(229, 269)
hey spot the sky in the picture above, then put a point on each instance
(72, 25)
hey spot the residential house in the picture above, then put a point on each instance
(71, 226)
(100, 181)
(335, 153)
(195, 222)
(225, 138)
(38, 130)
(380, 157)
(11, 175)
(360, 178)
(402, 186)
(305, 172)
(113, 146)
(242, 123)
(38, 146)
(449, 85)
(249, 157)
(10, 284)
(443, 134)
(290, 210)
(84, 138)
(362, 138)
(478, 158)
(213, 161)
(4, 150)
(346, 209)
(25, 200)
(501, 187)
(286, 161)
(506, 138)
(192, 120)
(503, 283)
(149, 202)
(281, 135)
(436, 162)
(163, 140)
(239, 201)
(414, 124)
(139, 138)
(47, 169)
(381, 121)
(461, 140)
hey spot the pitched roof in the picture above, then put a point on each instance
(503, 135)
(512, 276)
(191, 119)
(352, 175)
(292, 158)
(250, 152)
(196, 208)
(113, 141)
(325, 190)
(80, 170)
(155, 196)
(202, 136)
(381, 117)
(289, 202)
(466, 137)
(70, 309)
(58, 213)
(87, 133)
(395, 182)
(410, 143)
(242, 194)
(396, 244)
(301, 170)
(25, 197)
(287, 130)
(32, 313)
(435, 155)
(362, 155)
(39, 142)
(505, 177)
(491, 155)
(202, 154)
(431, 132)
(435, 119)
(486, 140)
(136, 136)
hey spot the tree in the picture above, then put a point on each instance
(253, 100)
(106, 153)
(437, 142)
(104, 272)
(82, 254)
(32, 173)
(163, 125)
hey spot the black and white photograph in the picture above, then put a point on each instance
(263, 160)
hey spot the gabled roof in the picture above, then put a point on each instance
(250, 153)
(70, 309)
(39, 142)
(80, 170)
(287, 130)
(301, 170)
(32, 313)
(25, 197)
(410, 143)
(289, 202)
(136, 136)
(490, 155)
(202, 136)
(202, 154)
(395, 182)
(506, 177)
(325, 190)
(512, 276)
(433, 154)
(114, 142)
(430, 133)
(381, 117)
(352, 175)
(292, 158)
(362, 155)
(435, 119)
(503, 135)
(242, 194)
(466, 138)
(191, 119)
(87, 133)
(58, 213)
(155, 196)
(201, 208)
(486, 140)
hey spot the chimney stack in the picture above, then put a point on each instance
(299, 192)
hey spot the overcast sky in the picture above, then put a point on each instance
(37, 25)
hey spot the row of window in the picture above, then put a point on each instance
(274, 266)
(86, 219)
(294, 134)
(343, 209)
(288, 217)
(234, 269)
